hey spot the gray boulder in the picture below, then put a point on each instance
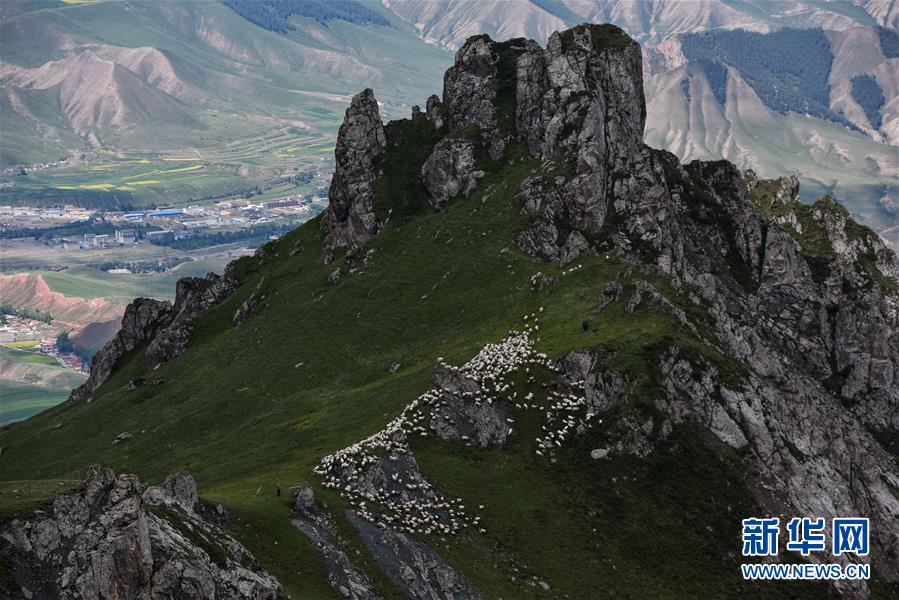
(450, 170)
(465, 412)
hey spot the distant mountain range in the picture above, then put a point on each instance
(158, 75)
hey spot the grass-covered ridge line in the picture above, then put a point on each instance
(308, 374)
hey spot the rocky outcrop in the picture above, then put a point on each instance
(583, 93)
(811, 313)
(540, 239)
(412, 566)
(317, 525)
(575, 245)
(807, 454)
(583, 96)
(578, 104)
(193, 296)
(113, 538)
(463, 412)
(450, 170)
(143, 319)
(434, 111)
(479, 90)
(349, 219)
(469, 90)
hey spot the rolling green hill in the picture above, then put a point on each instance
(139, 82)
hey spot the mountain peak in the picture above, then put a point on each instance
(582, 95)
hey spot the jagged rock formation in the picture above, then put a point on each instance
(349, 219)
(113, 538)
(434, 112)
(193, 296)
(578, 104)
(583, 95)
(807, 302)
(450, 171)
(142, 320)
(469, 86)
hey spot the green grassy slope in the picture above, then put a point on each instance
(308, 374)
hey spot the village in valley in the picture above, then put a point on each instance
(131, 226)
(24, 334)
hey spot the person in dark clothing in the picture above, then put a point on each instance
(278, 490)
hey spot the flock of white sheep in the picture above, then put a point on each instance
(380, 471)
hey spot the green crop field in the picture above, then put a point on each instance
(23, 345)
(27, 357)
(89, 282)
(146, 180)
(19, 402)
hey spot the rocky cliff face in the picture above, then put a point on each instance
(193, 296)
(349, 219)
(143, 319)
(577, 103)
(808, 303)
(583, 95)
(114, 538)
